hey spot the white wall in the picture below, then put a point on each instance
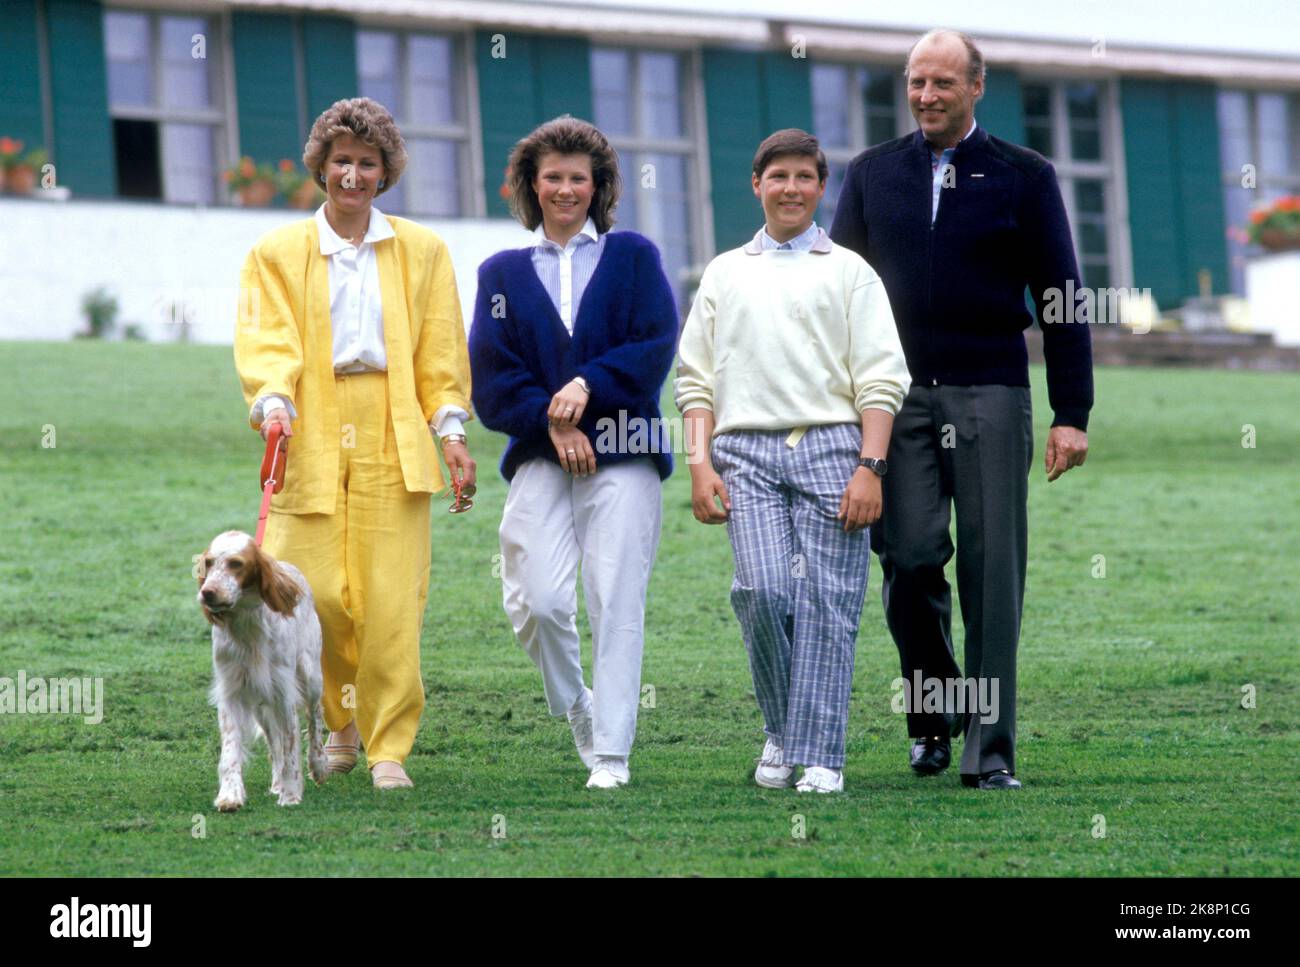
(151, 255)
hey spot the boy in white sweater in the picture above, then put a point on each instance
(789, 376)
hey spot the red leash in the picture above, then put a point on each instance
(274, 463)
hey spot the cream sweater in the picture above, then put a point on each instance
(778, 340)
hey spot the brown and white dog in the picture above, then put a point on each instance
(266, 650)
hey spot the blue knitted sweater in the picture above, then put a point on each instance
(623, 343)
(957, 285)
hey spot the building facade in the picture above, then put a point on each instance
(1159, 153)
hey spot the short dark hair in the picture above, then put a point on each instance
(564, 135)
(794, 141)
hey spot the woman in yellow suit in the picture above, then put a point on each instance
(350, 338)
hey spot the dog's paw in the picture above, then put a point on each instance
(290, 799)
(319, 769)
(228, 803)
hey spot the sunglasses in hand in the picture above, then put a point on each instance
(463, 492)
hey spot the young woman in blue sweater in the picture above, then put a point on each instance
(572, 340)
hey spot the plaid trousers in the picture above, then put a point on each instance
(800, 580)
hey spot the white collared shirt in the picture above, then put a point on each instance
(555, 265)
(800, 243)
(357, 312)
(356, 309)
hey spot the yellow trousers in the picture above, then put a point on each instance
(368, 567)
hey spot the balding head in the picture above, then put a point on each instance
(945, 77)
(944, 38)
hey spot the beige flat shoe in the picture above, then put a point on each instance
(391, 782)
(342, 757)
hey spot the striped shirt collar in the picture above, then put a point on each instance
(588, 229)
(814, 239)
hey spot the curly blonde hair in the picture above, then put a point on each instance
(564, 135)
(366, 120)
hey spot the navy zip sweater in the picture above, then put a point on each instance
(623, 343)
(957, 288)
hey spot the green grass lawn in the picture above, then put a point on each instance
(1130, 685)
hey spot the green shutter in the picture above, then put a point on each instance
(539, 78)
(266, 87)
(330, 56)
(1200, 189)
(563, 72)
(1001, 111)
(737, 122)
(20, 77)
(1171, 146)
(506, 105)
(83, 134)
(787, 92)
(747, 96)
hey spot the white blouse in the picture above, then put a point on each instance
(357, 315)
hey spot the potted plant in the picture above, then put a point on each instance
(21, 177)
(254, 183)
(10, 150)
(297, 188)
(1276, 227)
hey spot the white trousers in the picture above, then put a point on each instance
(608, 522)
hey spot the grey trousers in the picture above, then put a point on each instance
(800, 580)
(968, 447)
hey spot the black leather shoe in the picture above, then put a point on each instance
(931, 756)
(1001, 779)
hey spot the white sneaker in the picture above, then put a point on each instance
(580, 723)
(609, 773)
(772, 772)
(819, 779)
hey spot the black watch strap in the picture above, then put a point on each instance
(878, 467)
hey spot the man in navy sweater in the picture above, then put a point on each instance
(957, 224)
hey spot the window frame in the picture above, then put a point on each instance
(692, 146)
(904, 123)
(1230, 179)
(220, 79)
(466, 136)
(1110, 169)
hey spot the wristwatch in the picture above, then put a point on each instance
(453, 438)
(878, 467)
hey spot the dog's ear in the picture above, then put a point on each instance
(279, 591)
(200, 567)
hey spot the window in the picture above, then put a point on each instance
(167, 119)
(640, 103)
(420, 79)
(854, 107)
(1259, 128)
(1066, 122)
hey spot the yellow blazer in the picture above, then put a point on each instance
(284, 344)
